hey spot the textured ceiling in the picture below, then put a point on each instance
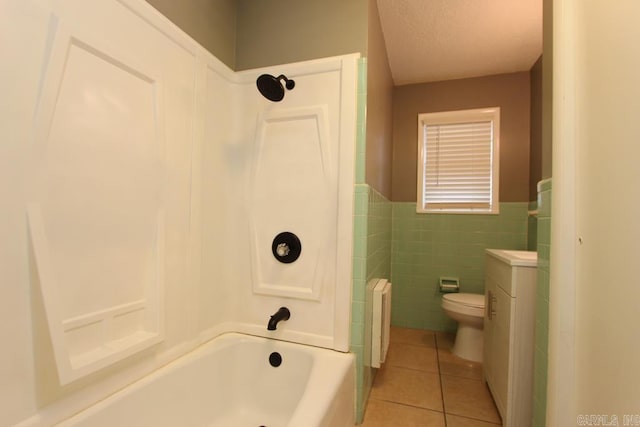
(434, 40)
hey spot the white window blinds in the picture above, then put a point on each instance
(457, 168)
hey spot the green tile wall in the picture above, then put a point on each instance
(378, 236)
(360, 225)
(427, 246)
(532, 231)
(542, 304)
(371, 248)
(371, 259)
(361, 209)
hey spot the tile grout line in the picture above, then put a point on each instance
(408, 405)
(437, 346)
(444, 408)
(440, 374)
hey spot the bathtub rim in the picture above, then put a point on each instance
(306, 407)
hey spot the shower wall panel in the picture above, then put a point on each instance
(96, 219)
(291, 189)
(282, 167)
(101, 228)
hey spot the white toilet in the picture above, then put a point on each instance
(468, 311)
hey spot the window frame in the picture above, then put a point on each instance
(452, 117)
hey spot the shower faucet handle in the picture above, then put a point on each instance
(286, 247)
(283, 249)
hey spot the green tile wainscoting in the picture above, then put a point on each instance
(414, 250)
(532, 227)
(542, 304)
(371, 259)
(428, 246)
(360, 220)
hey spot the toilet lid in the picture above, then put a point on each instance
(470, 300)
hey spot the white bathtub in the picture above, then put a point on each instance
(230, 382)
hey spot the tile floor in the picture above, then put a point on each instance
(423, 384)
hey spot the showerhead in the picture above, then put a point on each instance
(271, 88)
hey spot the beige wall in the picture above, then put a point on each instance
(212, 23)
(510, 92)
(379, 108)
(282, 31)
(535, 160)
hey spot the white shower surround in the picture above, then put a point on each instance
(206, 118)
(320, 304)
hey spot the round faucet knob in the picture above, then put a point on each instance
(283, 249)
(286, 247)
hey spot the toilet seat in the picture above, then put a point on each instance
(466, 304)
(468, 300)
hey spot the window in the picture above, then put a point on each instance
(458, 161)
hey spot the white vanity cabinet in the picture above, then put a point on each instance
(509, 328)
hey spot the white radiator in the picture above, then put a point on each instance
(381, 322)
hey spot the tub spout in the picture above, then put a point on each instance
(282, 314)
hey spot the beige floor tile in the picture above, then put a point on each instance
(456, 421)
(445, 340)
(450, 364)
(409, 387)
(412, 336)
(454, 366)
(388, 414)
(411, 356)
(468, 398)
(406, 391)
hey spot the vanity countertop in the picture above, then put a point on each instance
(515, 258)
